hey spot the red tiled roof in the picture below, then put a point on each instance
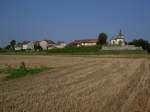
(59, 42)
(49, 41)
(75, 42)
(19, 45)
(85, 41)
(50, 45)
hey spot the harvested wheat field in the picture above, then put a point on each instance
(77, 84)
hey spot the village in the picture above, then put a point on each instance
(118, 42)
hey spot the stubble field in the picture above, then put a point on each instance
(77, 84)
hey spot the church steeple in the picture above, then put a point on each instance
(120, 33)
(118, 39)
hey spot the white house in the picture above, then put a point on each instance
(60, 44)
(46, 44)
(27, 45)
(24, 45)
(18, 46)
(119, 39)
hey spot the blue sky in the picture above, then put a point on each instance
(72, 19)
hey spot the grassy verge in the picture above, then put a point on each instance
(23, 71)
(95, 50)
(84, 50)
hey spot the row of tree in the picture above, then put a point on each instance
(141, 43)
(102, 40)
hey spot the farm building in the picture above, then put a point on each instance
(60, 44)
(18, 46)
(84, 42)
(24, 45)
(46, 44)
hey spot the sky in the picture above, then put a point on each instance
(67, 20)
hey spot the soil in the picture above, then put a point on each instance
(77, 84)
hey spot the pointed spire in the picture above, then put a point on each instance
(120, 33)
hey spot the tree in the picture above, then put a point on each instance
(102, 39)
(140, 43)
(12, 44)
(8, 47)
(148, 48)
(37, 48)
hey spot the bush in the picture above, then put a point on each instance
(23, 71)
(140, 43)
(23, 66)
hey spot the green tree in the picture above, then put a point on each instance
(12, 44)
(102, 39)
(37, 48)
(8, 47)
(148, 48)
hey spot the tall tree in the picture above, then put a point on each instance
(102, 39)
(12, 44)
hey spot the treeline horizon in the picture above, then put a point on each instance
(102, 39)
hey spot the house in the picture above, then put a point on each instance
(60, 44)
(119, 39)
(84, 42)
(18, 46)
(46, 44)
(51, 46)
(25, 45)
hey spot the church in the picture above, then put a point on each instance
(118, 40)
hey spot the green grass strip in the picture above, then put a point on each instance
(20, 72)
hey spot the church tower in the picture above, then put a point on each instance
(119, 39)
